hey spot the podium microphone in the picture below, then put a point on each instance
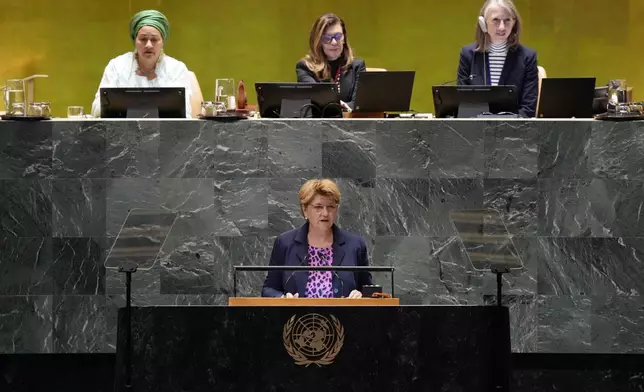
(293, 272)
(335, 273)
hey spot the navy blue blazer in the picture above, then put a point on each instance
(291, 248)
(520, 70)
(348, 80)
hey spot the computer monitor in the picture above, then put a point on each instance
(295, 100)
(471, 101)
(147, 102)
(566, 98)
(386, 91)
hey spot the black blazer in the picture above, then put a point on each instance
(520, 70)
(348, 80)
(291, 248)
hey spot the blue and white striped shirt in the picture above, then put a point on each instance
(497, 54)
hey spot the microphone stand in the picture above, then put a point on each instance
(128, 268)
(499, 271)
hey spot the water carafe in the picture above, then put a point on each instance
(14, 97)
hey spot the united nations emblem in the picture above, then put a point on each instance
(313, 339)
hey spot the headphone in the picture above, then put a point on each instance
(483, 27)
(482, 24)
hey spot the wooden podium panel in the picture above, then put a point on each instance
(271, 301)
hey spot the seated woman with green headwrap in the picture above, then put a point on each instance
(147, 66)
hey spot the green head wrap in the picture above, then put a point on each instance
(152, 18)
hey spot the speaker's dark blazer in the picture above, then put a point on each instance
(520, 70)
(291, 248)
(348, 79)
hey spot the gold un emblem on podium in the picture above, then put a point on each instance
(313, 339)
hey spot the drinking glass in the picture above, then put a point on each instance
(34, 109)
(75, 112)
(45, 108)
(17, 109)
(210, 108)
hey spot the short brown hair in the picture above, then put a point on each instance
(482, 43)
(312, 188)
(315, 60)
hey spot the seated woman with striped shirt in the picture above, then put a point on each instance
(497, 57)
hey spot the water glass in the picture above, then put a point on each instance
(210, 108)
(75, 112)
(34, 109)
(45, 109)
(17, 109)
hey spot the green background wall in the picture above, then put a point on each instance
(261, 40)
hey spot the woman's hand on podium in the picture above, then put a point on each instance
(355, 294)
(289, 295)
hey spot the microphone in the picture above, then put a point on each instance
(341, 282)
(472, 76)
(293, 273)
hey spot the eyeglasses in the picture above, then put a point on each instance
(497, 22)
(327, 38)
(319, 208)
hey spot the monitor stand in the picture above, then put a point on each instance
(142, 112)
(296, 108)
(472, 109)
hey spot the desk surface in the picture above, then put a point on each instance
(266, 301)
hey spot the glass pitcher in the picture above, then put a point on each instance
(14, 97)
(617, 91)
(225, 93)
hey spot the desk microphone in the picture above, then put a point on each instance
(471, 77)
(293, 273)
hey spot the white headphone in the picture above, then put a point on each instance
(482, 24)
(483, 27)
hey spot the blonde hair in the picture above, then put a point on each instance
(315, 60)
(312, 188)
(482, 43)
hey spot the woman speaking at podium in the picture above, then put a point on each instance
(498, 58)
(147, 65)
(330, 59)
(319, 242)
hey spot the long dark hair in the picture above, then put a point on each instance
(316, 60)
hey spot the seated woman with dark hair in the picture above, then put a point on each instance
(330, 59)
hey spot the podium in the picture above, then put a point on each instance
(279, 344)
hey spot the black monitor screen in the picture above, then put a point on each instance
(471, 101)
(155, 102)
(287, 100)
